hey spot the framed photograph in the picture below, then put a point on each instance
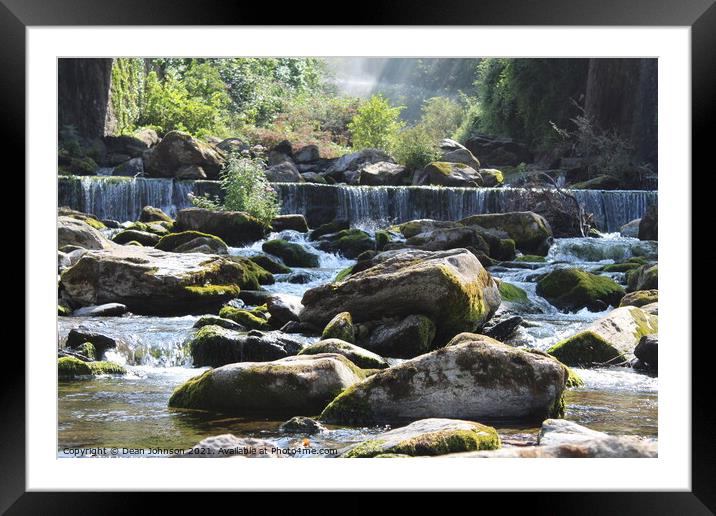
(432, 239)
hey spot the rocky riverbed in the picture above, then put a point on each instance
(429, 337)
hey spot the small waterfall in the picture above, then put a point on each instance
(123, 199)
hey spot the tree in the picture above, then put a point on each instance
(376, 124)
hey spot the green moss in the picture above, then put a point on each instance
(619, 267)
(70, 368)
(574, 289)
(63, 310)
(366, 449)
(194, 392)
(252, 275)
(220, 291)
(343, 274)
(573, 379)
(531, 258)
(87, 349)
(442, 167)
(640, 298)
(293, 255)
(646, 324)
(349, 407)
(381, 239)
(585, 349)
(173, 240)
(106, 368)
(270, 265)
(94, 223)
(135, 243)
(512, 293)
(340, 327)
(349, 243)
(249, 318)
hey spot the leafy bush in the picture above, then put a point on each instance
(246, 189)
(415, 147)
(376, 124)
(441, 116)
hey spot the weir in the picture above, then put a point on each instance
(122, 199)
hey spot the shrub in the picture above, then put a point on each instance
(246, 189)
(441, 116)
(415, 147)
(376, 124)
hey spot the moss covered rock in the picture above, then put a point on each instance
(233, 227)
(492, 177)
(71, 368)
(152, 282)
(531, 232)
(178, 150)
(300, 385)
(512, 293)
(442, 239)
(329, 228)
(252, 319)
(272, 266)
(347, 242)
(645, 277)
(207, 320)
(640, 298)
(192, 242)
(71, 231)
(445, 173)
(294, 222)
(473, 377)
(361, 357)
(450, 287)
(573, 289)
(340, 327)
(610, 340)
(293, 255)
(415, 227)
(531, 258)
(152, 214)
(132, 235)
(429, 437)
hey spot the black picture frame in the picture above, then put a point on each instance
(700, 15)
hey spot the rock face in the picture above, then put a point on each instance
(450, 287)
(216, 346)
(152, 282)
(444, 173)
(645, 277)
(295, 222)
(573, 289)
(284, 172)
(233, 227)
(453, 152)
(178, 150)
(301, 385)
(71, 231)
(531, 232)
(383, 173)
(649, 225)
(429, 437)
(361, 357)
(355, 160)
(473, 377)
(611, 339)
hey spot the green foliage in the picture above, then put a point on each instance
(376, 124)
(415, 147)
(520, 97)
(441, 117)
(245, 189)
(69, 141)
(127, 92)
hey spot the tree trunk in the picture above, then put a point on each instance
(83, 96)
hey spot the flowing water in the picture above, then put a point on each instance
(132, 412)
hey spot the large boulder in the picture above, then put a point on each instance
(347, 242)
(133, 235)
(236, 228)
(295, 222)
(572, 289)
(300, 385)
(340, 327)
(443, 173)
(449, 238)
(79, 336)
(361, 357)
(649, 224)
(450, 287)
(645, 277)
(640, 298)
(609, 340)
(152, 214)
(228, 446)
(416, 227)
(609, 447)
(152, 282)
(75, 232)
(356, 160)
(178, 150)
(453, 152)
(383, 173)
(284, 172)
(560, 431)
(531, 232)
(216, 346)
(647, 351)
(429, 437)
(630, 229)
(192, 242)
(284, 308)
(474, 377)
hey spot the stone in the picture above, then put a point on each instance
(299, 385)
(307, 154)
(232, 145)
(284, 172)
(295, 222)
(131, 168)
(192, 242)
(72, 368)
(498, 151)
(630, 229)
(610, 447)
(444, 173)
(531, 232)
(132, 235)
(178, 149)
(428, 437)
(401, 337)
(349, 243)
(640, 298)
(609, 340)
(284, 308)
(293, 255)
(361, 357)
(647, 351)
(560, 431)
(152, 214)
(233, 227)
(649, 224)
(450, 287)
(383, 173)
(229, 446)
(215, 320)
(645, 277)
(355, 160)
(105, 310)
(572, 289)
(340, 327)
(78, 336)
(71, 231)
(302, 425)
(473, 377)
(152, 282)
